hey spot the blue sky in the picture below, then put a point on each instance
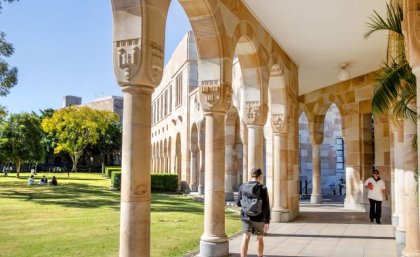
(64, 47)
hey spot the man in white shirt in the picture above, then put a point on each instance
(376, 192)
(31, 181)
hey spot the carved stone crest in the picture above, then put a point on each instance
(210, 92)
(156, 61)
(278, 122)
(228, 96)
(129, 55)
(252, 111)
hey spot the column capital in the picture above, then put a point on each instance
(255, 113)
(215, 97)
(137, 89)
(278, 123)
(139, 41)
(316, 138)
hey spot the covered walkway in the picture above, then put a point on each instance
(326, 230)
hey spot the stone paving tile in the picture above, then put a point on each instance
(328, 231)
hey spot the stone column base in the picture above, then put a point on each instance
(400, 237)
(229, 196)
(316, 198)
(354, 206)
(201, 190)
(214, 249)
(395, 221)
(410, 254)
(280, 216)
(193, 188)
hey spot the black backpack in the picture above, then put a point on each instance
(251, 201)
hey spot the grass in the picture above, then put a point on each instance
(80, 217)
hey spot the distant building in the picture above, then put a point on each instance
(70, 100)
(110, 103)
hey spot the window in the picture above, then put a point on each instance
(178, 93)
(170, 98)
(339, 142)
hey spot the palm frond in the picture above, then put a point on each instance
(403, 110)
(388, 85)
(391, 23)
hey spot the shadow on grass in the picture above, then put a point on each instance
(68, 195)
(173, 203)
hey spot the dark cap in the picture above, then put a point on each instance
(256, 172)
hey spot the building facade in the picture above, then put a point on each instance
(241, 111)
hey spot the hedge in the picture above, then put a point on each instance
(116, 180)
(110, 169)
(163, 182)
(160, 182)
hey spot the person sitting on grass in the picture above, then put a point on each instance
(54, 181)
(44, 181)
(31, 181)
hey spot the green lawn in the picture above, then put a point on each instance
(80, 217)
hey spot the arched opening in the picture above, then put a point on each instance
(333, 156)
(168, 156)
(202, 157)
(194, 161)
(165, 156)
(178, 159)
(231, 152)
(247, 67)
(305, 158)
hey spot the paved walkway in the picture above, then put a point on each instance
(325, 230)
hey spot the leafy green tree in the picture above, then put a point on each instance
(77, 127)
(109, 143)
(20, 139)
(395, 88)
(8, 75)
(49, 140)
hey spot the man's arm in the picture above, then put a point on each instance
(385, 192)
(266, 205)
(238, 200)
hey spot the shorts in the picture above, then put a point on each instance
(256, 228)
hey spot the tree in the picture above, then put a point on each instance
(395, 88)
(20, 140)
(108, 143)
(8, 75)
(77, 127)
(48, 140)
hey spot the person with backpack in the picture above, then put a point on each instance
(255, 211)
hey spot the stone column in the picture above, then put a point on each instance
(193, 164)
(411, 31)
(316, 139)
(165, 162)
(229, 172)
(135, 183)
(280, 211)
(255, 146)
(399, 164)
(357, 135)
(245, 171)
(412, 243)
(202, 174)
(138, 45)
(214, 241)
(316, 196)
(397, 156)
